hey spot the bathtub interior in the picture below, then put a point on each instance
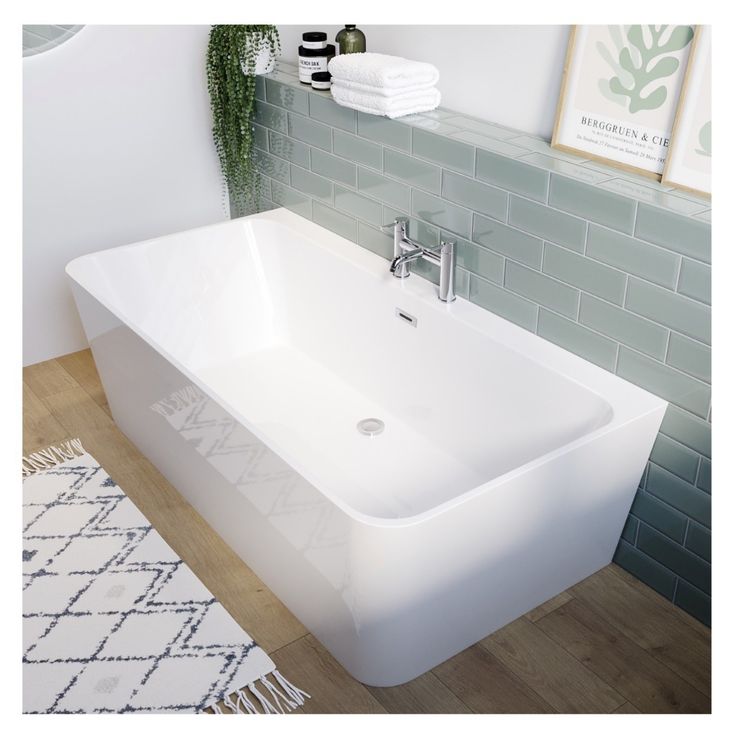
(303, 346)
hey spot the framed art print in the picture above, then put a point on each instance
(619, 94)
(689, 163)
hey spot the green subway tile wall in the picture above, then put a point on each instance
(547, 223)
(608, 265)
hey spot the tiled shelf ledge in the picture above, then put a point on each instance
(611, 266)
(522, 147)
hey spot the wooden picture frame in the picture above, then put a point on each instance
(689, 162)
(624, 120)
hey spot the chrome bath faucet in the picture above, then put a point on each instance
(406, 251)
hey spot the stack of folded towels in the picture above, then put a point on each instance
(384, 85)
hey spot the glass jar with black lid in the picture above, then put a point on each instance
(314, 55)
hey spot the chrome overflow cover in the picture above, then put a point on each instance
(370, 426)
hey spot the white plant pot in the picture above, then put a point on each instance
(265, 61)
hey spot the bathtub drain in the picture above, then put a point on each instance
(370, 426)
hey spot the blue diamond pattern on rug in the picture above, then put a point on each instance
(113, 620)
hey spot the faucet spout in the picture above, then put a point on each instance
(407, 256)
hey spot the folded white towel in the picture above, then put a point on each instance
(382, 70)
(369, 89)
(391, 107)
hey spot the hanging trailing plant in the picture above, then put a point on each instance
(231, 61)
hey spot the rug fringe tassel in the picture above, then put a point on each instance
(242, 699)
(278, 696)
(291, 697)
(291, 690)
(52, 456)
(227, 700)
(264, 702)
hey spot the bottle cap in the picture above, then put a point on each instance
(314, 39)
(321, 77)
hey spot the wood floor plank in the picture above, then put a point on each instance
(425, 694)
(626, 708)
(549, 606)
(315, 670)
(550, 670)
(80, 366)
(484, 684)
(75, 409)
(48, 378)
(237, 587)
(643, 680)
(652, 623)
(40, 427)
(657, 598)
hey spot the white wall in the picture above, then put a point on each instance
(506, 74)
(117, 148)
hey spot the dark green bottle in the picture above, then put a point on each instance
(351, 40)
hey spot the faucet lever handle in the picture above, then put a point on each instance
(396, 221)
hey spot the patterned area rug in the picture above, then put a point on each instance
(113, 620)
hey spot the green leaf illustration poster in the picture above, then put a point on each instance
(620, 91)
(689, 164)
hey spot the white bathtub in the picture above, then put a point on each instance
(240, 357)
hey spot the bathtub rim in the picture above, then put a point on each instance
(627, 404)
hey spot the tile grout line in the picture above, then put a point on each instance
(669, 507)
(699, 468)
(670, 472)
(677, 280)
(635, 217)
(681, 546)
(683, 297)
(579, 307)
(617, 359)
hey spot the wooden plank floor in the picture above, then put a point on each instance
(608, 645)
